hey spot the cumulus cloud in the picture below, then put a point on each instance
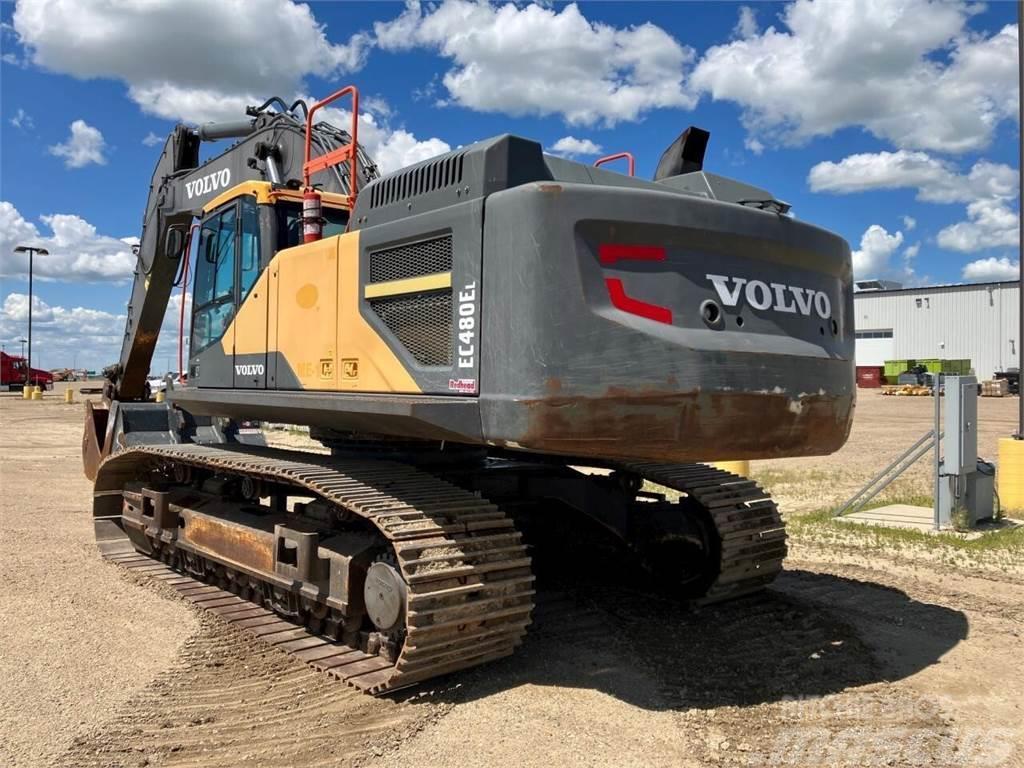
(908, 72)
(936, 180)
(909, 222)
(988, 189)
(570, 146)
(187, 59)
(151, 139)
(537, 60)
(85, 146)
(62, 337)
(391, 148)
(874, 258)
(65, 337)
(992, 269)
(77, 251)
(990, 223)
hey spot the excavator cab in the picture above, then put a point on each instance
(240, 233)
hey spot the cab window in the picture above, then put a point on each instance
(289, 223)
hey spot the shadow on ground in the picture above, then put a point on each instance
(809, 635)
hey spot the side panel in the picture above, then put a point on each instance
(307, 316)
(250, 336)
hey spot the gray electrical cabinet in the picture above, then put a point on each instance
(965, 482)
(961, 424)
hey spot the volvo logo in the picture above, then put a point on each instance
(251, 369)
(790, 299)
(211, 182)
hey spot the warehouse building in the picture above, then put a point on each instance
(975, 321)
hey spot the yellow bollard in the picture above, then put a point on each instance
(1011, 476)
(69, 395)
(160, 396)
(736, 467)
(37, 395)
(38, 389)
(26, 393)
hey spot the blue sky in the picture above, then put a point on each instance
(890, 122)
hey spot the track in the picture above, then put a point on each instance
(751, 532)
(469, 581)
(470, 585)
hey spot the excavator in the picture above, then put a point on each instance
(480, 343)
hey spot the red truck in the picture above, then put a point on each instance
(13, 370)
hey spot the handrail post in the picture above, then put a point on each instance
(340, 155)
(619, 156)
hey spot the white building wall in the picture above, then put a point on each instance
(978, 322)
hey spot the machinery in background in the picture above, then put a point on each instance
(14, 374)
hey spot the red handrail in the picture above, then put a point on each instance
(619, 156)
(339, 155)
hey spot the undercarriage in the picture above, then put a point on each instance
(389, 570)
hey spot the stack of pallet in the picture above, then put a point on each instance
(995, 388)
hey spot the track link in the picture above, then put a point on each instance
(751, 532)
(470, 592)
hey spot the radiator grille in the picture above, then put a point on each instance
(426, 257)
(422, 323)
(437, 174)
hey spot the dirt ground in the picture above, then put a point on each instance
(859, 655)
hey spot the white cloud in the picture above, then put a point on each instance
(62, 337)
(753, 145)
(992, 269)
(746, 24)
(187, 59)
(391, 148)
(988, 189)
(909, 72)
(936, 181)
(570, 146)
(77, 252)
(535, 60)
(873, 258)
(152, 139)
(990, 223)
(84, 146)
(22, 120)
(909, 222)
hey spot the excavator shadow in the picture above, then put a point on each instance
(808, 635)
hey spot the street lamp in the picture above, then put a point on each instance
(31, 251)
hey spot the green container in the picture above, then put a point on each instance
(932, 364)
(895, 367)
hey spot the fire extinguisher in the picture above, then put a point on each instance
(312, 219)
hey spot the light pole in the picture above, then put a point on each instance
(31, 251)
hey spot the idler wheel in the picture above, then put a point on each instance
(384, 593)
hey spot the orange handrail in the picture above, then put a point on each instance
(619, 156)
(339, 155)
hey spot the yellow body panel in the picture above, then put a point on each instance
(409, 285)
(304, 309)
(305, 279)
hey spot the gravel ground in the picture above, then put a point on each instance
(855, 657)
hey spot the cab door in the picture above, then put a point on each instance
(250, 326)
(211, 348)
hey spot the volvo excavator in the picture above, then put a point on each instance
(482, 343)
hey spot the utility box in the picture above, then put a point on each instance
(961, 419)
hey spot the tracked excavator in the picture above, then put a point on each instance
(482, 342)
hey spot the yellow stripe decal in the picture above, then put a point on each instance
(409, 285)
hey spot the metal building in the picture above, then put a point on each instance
(976, 321)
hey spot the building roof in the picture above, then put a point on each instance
(928, 288)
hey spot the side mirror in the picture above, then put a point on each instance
(174, 242)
